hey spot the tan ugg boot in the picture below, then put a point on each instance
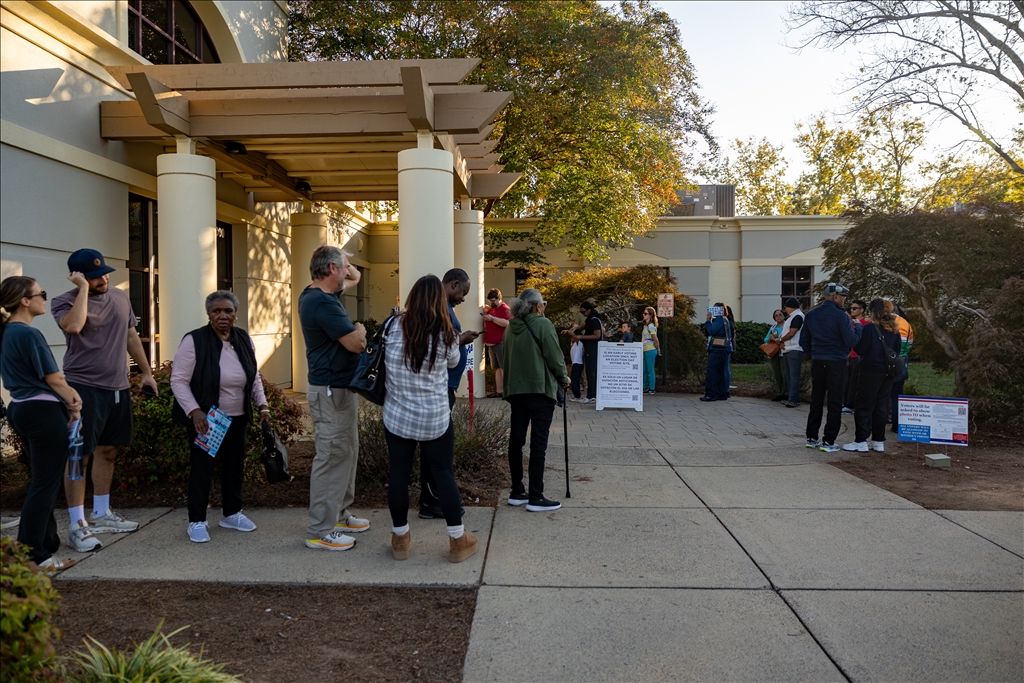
(400, 545)
(462, 548)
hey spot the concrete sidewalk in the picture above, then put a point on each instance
(701, 542)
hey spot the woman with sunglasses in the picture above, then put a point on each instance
(858, 311)
(42, 408)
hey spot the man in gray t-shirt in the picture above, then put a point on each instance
(99, 326)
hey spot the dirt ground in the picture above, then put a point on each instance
(282, 634)
(986, 475)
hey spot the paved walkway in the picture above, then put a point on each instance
(701, 542)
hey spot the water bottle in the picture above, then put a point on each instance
(75, 469)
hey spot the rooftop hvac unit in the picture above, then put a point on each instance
(708, 200)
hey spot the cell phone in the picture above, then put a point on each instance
(148, 391)
(716, 311)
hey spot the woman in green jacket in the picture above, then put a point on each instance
(534, 371)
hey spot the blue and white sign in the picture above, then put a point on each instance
(933, 419)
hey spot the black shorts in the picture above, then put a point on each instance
(106, 417)
(495, 356)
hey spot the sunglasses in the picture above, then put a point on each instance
(33, 296)
(856, 308)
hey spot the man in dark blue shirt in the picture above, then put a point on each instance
(333, 345)
(456, 287)
(828, 334)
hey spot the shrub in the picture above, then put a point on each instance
(474, 453)
(27, 602)
(749, 337)
(160, 449)
(156, 659)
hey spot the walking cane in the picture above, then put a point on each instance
(565, 438)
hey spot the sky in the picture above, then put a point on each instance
(759, 86)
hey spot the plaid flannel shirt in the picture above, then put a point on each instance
(416, 404)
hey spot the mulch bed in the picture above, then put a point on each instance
(282, 634)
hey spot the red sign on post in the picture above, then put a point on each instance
(666, 305)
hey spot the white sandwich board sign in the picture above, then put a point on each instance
(620, 375)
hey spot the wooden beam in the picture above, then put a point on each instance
(476, 151)
(459, 114)
(339, 155)
(272, 93)
(163, 108)
(307, 116)
(497, 168)
(297, 74)
(482, 162)
(474, 138)
(419, 98)
(492, 185)
(259, 167)
(461, 172)
(342, 174)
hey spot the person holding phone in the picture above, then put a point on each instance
(720, 345)
(497, 315)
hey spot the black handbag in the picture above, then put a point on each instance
(560, 393)
(275, 456)
(368, 380)
(894, 366)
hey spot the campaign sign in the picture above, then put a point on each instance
(933, 419)
(620, 375)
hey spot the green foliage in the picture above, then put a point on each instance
(27, 603)
(749, 337)
(759, 174)
(605, 100)
(474, 452)
(621, 294)
(154, 660)
(160, 448)
(926, 380)
(497, 239)
(371, 326)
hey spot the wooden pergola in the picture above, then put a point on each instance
(317, 131)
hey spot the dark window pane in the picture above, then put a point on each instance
(185, 27)
(209, 54)
(803, 273)
(133, 36)
(154, 46)
(137, 234)
(224, 274)
(803, 288)
(157, 11)
(182, 57)
(138, 293)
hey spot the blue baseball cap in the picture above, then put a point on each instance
(89, 263)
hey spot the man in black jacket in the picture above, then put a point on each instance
(827, 335)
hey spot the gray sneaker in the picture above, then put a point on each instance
(828, 447)
(812, 443)
(111, 523)
(82, 539)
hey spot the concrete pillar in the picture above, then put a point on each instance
(186, 188)
(469, 255)
(426, 221)
(309, 231)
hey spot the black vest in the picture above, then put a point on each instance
(205, 382)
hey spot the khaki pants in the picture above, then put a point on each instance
(332, 481)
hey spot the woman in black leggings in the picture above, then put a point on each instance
(42, 404)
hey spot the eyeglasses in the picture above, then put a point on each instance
(856, 308)
(33, 296)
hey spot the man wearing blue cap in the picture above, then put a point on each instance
(99, 325)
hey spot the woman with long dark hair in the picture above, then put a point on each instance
(652, 348)
(41, 410)
(419, 348)
(720, 345)
(775, 334)
(871, 407)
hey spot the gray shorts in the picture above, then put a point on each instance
(494, 356)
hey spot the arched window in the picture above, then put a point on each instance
(168, 32)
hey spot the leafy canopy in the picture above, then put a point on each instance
(605, 110)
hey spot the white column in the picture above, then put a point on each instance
(309, 231)
(186, 189)
(425, 216)
(469, 255)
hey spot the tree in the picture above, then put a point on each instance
(621, 294)
(759, 174)
(963, 179)
(605, 100)
(946, 266)
(891, 138)
(944, 55)
(836, 159)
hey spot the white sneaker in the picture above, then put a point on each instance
(197, 532)
(111, 523)
(238, 522)
(879, 446)
(856, 446)
(335, 540)
(352, 525)
(82, 539)
(587, 400)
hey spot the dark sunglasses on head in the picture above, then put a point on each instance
(42, 294)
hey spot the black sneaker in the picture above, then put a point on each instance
(780, 397)
(431, 512)
(543, 505)
(518, 498)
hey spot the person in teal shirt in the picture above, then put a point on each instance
(652, 349)
(774, 334)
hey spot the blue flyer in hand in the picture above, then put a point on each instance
(214, 436)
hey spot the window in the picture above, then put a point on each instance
(522, 275)
(168, 32)
(142, 271)
(225, 279)
(796, 282)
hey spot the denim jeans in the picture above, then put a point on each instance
(793, 360)
(715, 386)
(826, 379)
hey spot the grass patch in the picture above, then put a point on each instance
(924, 380)
(759, 374)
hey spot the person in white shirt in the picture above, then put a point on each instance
(792, 353)
(420, 347)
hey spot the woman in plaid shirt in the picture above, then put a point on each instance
(418, 351)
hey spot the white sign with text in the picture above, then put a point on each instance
(620, 375)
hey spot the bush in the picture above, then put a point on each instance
(27, 602)
(154, 660)
(474, 452)
(160, 449)
(749, 337)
